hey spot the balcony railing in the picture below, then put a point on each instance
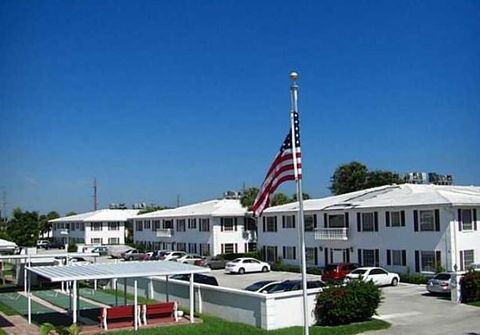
(250, 235)
(165, 232)
(331, 234)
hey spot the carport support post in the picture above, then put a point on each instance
(135, 302)
(124, 291)
(94, 284)
(166, 288)
(191, 298)
(150, 288)
(29, 296)
(74, 301)
(116, 291)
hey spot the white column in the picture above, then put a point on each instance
(150, 288)
(135, 301)
(29, 295)
(74, 301)
(95, 284)
(191, 298)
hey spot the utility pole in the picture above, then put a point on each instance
(4, 215)
(95, 203)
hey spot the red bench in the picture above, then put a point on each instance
(161, 312)
(117, 317)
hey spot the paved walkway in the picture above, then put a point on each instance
(17, 325)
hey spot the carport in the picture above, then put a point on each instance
(98, 271)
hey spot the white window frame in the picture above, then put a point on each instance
(96, 240)
(228, 224)
(232, 245)
(147, 225)
(114, 225)
(181, 225)
(395, 219)
(469, 225)
(397, 257)
(289, 253)
(310, 256)
(423, 215)
(96, 226)
(366, 225)
(270, 224)
(471, 255)
(309, 221)
(192, 223)
(113, 240)
(204, 224)
(425, 265)
(332, 218)
(289, 221)
(366, 257)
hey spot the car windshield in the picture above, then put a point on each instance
(238, 260)
(358, 271)
(442, 276)
(257, 285)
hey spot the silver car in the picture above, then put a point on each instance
(440, 283)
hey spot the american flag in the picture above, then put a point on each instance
(282, 168)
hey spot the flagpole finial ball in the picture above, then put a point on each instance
(293, 75)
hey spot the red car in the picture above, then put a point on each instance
(338, 271)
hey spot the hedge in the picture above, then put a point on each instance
(470, 287)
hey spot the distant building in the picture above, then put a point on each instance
(428, 178)
(104, 226)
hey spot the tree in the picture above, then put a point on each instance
(70, 214)
(348, 178)
(380, 178)
(248, 197)
(24, 227)
(152, 208)
(44, 225)
(306, 196)
(279, 199)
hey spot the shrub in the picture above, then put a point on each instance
(357, 301)
(72, 247)
(414, 279)
(280, 266)
(470, 287)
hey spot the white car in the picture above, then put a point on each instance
(246, 264)
(377, 275)
(189, 259)
(172, 255)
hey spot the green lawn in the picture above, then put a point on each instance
(215, 326)
(475, 303)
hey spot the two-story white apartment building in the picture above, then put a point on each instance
(207, 228)
(404, 228)
(104, 226)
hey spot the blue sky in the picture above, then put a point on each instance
(159, 98)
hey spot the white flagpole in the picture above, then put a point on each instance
(301, 226)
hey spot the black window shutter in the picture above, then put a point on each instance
(474, 219)
(325, 250)
(264, 252)
(417, 261)
(359, 253)
(221, 225)
(402, 218)
(223, 248)
(404, 257)
(461, 261)
(283, 221)
(437, 220)
(316, 256)
(347, 255)
(263, 224)
(294, 252)
(359, 224)
(284, 251)
(459, 219)
(236, 248)
(347, 223)
(375, 215)
(325, 220)
(275, 229)
(236, 223)
(415, 221)
(389, 257)
(293, 218)
(387, 219)
(438, 258)
(314, 220)
(377, 257)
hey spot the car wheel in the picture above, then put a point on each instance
(265, 269)
(241, 271)
(130, 258)
(394, 282)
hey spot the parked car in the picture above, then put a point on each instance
(133, 254)
(43, 244)
(378, 276)
(72, 260)
(56, 245)
(474, 267)
(189, 259)
(292, 285)
(117, 250)
(246, 264)
(171, 255)
(338, 271)
(212, 262)
(102, 251)
(197, 278)
(259, 286)
(148, 256)
(440, 283)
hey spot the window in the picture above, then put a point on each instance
(73, 225)
(82, 226)
(251, 247)
(336, 221)
(368, 257)
(192, 223)
(467, 222)
(146, 225)
(138, 225)
(427, 221)
(271, 223)
(395, 219)
(468, 258)
(228, 248)
(228, 224)
(181, 246)
(397, 257)
(309, 221)
(180, 225)
(367, 222)
(377, 272)
(310, 256)
(428, 261)
(205, 249)
(114, 226)
(192, 248)
(289, 253)
(204, 225)
(96, 241)
(96, 226)
(113, 240)
(289, 221)
(271, 253)
(168, 224)
(156, 225)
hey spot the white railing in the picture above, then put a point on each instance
(331, 234)
(165, 232)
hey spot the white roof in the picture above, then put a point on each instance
(115, 270)
(404, 195)
(222, 207)
(100, 215)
